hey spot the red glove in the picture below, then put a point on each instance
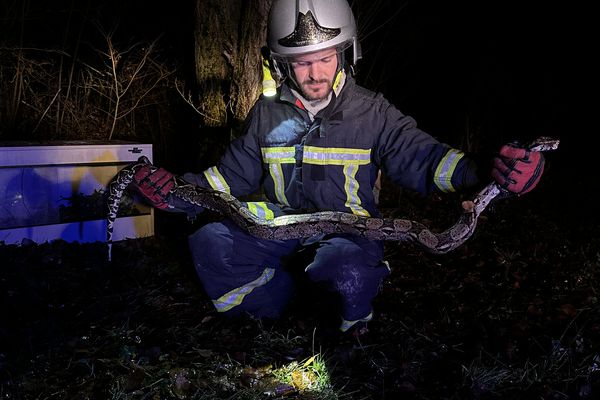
(517, 169)
(155, 185)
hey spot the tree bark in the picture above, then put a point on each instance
(228, 37)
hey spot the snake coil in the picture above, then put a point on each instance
(296, 226)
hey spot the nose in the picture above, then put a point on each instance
(314, 70)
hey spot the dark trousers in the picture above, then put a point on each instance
(245, 274)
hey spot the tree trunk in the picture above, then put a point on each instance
(228, 36)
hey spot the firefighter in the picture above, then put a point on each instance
(319, 144)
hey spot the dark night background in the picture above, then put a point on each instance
(502, 70)
(513, 68)
(491, 72)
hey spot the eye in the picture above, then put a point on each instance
(301, 63)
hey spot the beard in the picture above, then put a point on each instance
(315, 93)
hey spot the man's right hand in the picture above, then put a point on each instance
(155, 185)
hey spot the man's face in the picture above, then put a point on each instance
(315, 72)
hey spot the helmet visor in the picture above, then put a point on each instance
(309, 56)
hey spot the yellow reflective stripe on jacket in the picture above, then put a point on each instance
(278, 155)
(236, 296)
(216, 180)
(336, 156)
(278, 181)
(260, 209)
(274, 157)
(443, 173)
(351, 160)
(351, 187)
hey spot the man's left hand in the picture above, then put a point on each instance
(518, 169)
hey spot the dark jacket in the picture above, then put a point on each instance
(332, 163)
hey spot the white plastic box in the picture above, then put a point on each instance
(57, 190)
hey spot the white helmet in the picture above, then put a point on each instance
(305, 26)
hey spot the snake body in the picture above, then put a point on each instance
(297, 226)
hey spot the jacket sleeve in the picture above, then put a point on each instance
(416, 160)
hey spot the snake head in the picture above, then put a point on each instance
(144, 159)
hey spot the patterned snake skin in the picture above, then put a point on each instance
(298, 226)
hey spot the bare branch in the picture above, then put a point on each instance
(46, 110)
(188, 99)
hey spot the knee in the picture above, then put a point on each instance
(349, 251)
(208, 234)
(210, 245)
(339, 257)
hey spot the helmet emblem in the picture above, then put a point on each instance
(308, 32)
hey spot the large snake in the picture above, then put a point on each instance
(297, 226)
